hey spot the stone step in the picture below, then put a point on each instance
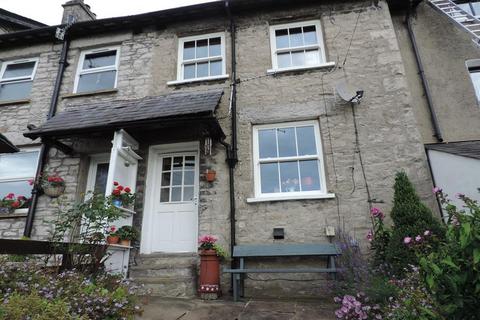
(144, 271)
(166, 287)
(160, 261)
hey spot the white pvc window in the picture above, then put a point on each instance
(473, 67)
(16, 169)
(98, 173)
(16, 78)
(288, 160)
(297, 45)
(201, 57)
(97, 70)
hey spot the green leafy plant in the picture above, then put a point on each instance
(410, 218)
(452, 272)
(127, 233)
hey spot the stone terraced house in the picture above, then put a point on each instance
(246, 88)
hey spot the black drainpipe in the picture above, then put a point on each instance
(436, 127)
(232, 157)
(45, 148)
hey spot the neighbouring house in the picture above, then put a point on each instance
(11, 22)
(446, 104)
(245, 88)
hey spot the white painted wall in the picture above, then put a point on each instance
(456, 174)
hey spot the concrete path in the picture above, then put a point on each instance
(196, 309)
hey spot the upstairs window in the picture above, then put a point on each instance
(97, 70)
(297, 45)
(16, 78)
(474, 70)
(471, 7)
(201, 57)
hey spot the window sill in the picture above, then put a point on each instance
(291, 197)
(293, 69)
(12, 102)
(177, 82)
(89, 93)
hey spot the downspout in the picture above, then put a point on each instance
(45, 148)
(232, 156)
(433, 116)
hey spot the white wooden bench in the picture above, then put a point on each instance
(243, 252)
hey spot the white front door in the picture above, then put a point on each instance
(173, 204)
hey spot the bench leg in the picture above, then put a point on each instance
(242, 278)
(236, 280)
(331, 265)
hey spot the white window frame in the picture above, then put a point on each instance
(320, 46)
(80, 70)
(181, 62)
(95, 160)
(473, 64)
(315, 194)
(18, 79)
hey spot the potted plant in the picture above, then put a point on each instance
(127, 234)
(10, 203)
(122, 196)
(112, 237)
(53, 186)
(210, 175)
(210, 255)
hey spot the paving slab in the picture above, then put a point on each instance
(249, 309)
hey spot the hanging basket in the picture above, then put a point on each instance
(53, 191)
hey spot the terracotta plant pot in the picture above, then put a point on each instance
(53, 192)
(113, 239)
(209, 272)
(210, 175)
(124, 242)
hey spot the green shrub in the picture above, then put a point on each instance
(452, 272)
(410, 218)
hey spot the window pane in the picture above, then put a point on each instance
(306, 141)
(312, 57)
(97, 81)
(167, 164)
(281, 37)
(189, 50)
(100, 59)
(18, 188)
(165, 195)
(309, 175)
(166, 179)
(189, 71)
(296, 38)
(177, 163)
(177, 178)
(189, 177)
(15, 90)
(286, 142)
(267, 143)
(476, 83)
(188, 194)
(310, 35)
(202, 48)
(465, 7)
(101, 178)
(189, 162)
(476, 8)
(283, 60)
(24, 69)
(22, 164)
(176, 194)
(215, 47)
(289, 176)
(298, 58)
(269, 177)
(215, 68)
(202, 70)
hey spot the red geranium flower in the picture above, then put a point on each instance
(127, 189)
(115, 183)
(10, 196)
(116, 192)
(120, 188)
(15, 204)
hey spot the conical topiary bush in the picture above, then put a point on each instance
(410, 218)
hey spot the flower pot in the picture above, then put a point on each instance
(125, 242)
(113, 239)
(117, 202)
(209, 272)
(53, 191)
(210, 175)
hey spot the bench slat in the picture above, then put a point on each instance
(291, 270)
(283, 250)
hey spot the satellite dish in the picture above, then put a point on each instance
(347, 92)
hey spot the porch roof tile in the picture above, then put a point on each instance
(6, 146)
(469, 149)
(118, 114)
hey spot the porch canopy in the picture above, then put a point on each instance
(190, 113)
(6, 146)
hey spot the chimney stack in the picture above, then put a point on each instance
(78, 10)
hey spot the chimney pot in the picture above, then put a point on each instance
(77, 9)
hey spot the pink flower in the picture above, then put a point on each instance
(10, 196)
(30, 182)
(436, 190)
(377, 213)
(418, 238)
(370, 235)
(407, 240)
(427, 233)
(207, 239)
